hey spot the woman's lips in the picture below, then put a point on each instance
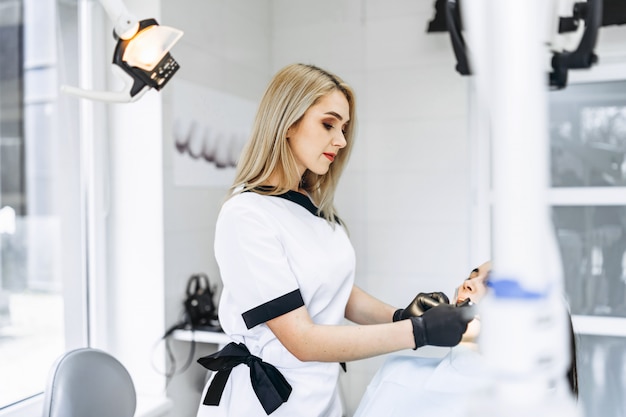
(330, 156)
(463, 301)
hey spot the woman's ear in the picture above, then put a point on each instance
(292, 130)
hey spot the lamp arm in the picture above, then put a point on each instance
(125, 24)
(123, 96)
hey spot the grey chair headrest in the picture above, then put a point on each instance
(89, 382)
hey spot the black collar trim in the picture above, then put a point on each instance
(298, 198)
(301, 200)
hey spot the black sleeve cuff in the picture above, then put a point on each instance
(419, 332)
(272, 309)
(397, 315)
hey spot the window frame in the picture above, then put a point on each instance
(84, 296)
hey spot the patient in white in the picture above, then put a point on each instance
(442, 386)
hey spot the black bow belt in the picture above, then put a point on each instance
(270, 386)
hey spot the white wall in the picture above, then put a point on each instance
(405, 194)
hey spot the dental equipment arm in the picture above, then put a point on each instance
(141, 58)
(125, 24)
(453, 22)
(582, 57)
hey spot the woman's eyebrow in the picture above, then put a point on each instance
(337, 115)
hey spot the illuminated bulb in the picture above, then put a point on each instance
(150, 45)
(149, 56)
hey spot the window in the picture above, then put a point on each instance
(588, 174)
(41, 292)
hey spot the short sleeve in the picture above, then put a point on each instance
(253, 263)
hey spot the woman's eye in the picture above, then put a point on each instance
(328, 126)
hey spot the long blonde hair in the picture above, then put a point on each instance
(289, 95)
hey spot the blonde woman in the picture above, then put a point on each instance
(287, 264)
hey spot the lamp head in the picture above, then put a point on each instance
(141, 58)
(145, 56)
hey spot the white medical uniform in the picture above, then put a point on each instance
(275, 255)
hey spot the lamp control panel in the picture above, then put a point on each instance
(164, 70)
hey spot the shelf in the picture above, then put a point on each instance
(202, 336)
(600, 325)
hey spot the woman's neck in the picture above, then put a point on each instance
(274, 180)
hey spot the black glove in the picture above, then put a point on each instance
(422, 302)
(442, 325)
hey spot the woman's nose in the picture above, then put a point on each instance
(340, 140)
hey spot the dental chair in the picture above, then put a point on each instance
(88, 382)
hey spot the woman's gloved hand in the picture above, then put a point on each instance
(442, 325)
(422, 302)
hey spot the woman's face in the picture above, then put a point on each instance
(319, 135)
(475, 286)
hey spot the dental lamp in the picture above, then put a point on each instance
(141, 57)
(590, 12)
